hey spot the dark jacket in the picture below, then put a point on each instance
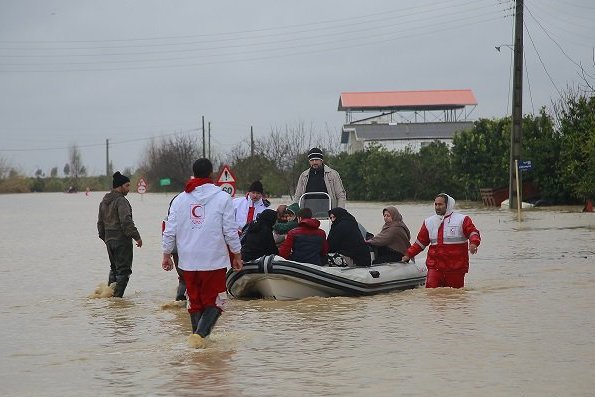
(258, 239)
(346, 238)
(114, 221)
(306, 243)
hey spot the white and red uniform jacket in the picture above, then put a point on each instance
(242, 206)
(448, 238)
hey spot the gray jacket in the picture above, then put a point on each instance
(334, 186)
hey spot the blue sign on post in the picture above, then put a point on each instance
(525, 165)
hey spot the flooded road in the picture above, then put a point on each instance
(523, 326)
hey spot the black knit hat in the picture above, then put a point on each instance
(119, 179)
(256, 186)
(315, 154)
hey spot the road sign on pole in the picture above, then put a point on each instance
(141, 186)
(229, 188)
(227, 181)
(525, 165)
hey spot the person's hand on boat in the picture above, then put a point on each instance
(472, 248)
(405, 259)
(167, 264)
(237, 262)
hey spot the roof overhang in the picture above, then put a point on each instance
(406, 100)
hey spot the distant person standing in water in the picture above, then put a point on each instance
(116, 228)
(449, 235)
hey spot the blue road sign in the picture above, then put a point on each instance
(525, 165)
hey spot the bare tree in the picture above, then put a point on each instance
(76, 164)
(171, 158)
(4, 168)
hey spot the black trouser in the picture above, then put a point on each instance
(386, 255)
(120, 257)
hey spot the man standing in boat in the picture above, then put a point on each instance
(450, 235)
(116, 228)
(321, 178)
(201, 225)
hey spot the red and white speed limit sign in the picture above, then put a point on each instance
(228, 188)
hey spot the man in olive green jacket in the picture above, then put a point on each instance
(116, 228)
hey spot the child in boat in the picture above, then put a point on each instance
(307, 242)
(285, 223)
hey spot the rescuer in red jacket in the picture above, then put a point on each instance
(449, 235)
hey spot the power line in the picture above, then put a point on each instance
(555, 42)
(346, 21)
(112, 143)
(541, 61)
(529, 85)
(428, 27)
(351, 31)
(376, 40)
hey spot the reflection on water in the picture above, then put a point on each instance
(523, 326)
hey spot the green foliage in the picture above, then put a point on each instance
(15, 184)
(480, 157)
(253, 168)
(541, 145)
(434, 168)
(54, 185)
(37, 184)
(171, 158)
(577, 154)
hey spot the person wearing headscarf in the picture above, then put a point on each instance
(393, 239)
(117, 230)
(450, 236)
(345, 237)
(258, 238)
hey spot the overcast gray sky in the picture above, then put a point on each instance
(80, 72)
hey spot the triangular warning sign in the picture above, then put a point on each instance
(226, 176)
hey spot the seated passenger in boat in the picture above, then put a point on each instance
(285, 222)
(393, 240)
(307, 242)
(257, 240)
(345, 238)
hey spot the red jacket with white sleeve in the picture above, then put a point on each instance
(448, 239)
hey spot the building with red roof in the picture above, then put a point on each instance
(404, 118)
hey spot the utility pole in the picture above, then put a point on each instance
(107, 157)
(204, 147)
(517, 110)
(209, 140)
(251, 141)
